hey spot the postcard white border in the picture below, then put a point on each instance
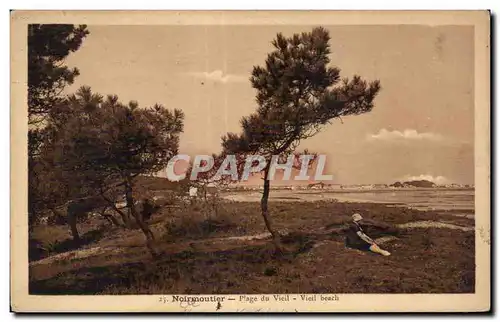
(21, 301)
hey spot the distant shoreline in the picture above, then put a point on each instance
(347, 190)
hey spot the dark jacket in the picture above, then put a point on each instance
(352, 237)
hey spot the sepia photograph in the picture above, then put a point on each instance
(250, 161)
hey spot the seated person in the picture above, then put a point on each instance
(356, 238)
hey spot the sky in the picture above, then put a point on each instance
(422, 125)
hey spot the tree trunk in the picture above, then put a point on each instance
(215, 204)
(125, 218)
(265, 211)
(150, 238)
(110, 218)
(72, 213)
(124, 215)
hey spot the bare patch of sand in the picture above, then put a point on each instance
(433, 224)
(77, 254)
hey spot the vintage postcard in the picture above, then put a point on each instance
(250, 161)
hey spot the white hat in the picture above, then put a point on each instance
(356, 217)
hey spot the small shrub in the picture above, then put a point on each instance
(50, 246)
(468, 280)
(468, 242)
(427, 242)
(57, 220)
(270, 271)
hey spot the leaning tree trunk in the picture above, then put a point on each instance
(110, 218)
(150, 237)
(126, 219)
(123, 214)
(72, 214)
(265, 211)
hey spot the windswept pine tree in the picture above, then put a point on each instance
(298, 94)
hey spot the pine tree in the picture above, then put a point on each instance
(297, 95)
(48, 46)
(102, 144)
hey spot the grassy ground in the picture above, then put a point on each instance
(199, 258)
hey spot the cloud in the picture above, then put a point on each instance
(428, 177)
(219, 76)
(407, 134)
